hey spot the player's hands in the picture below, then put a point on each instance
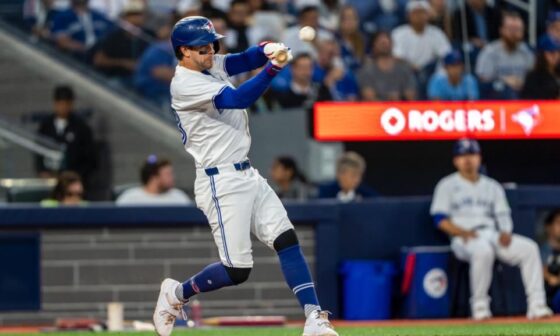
(278, 53)
(505, 239)
(466, 235)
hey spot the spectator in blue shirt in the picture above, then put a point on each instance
(79, 28)
(156, 68)
(348, 185)
(453, 83)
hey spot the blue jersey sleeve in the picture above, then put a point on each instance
(252, 58)
(247, 93)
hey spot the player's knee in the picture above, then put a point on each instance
(285, 240)
(483, 253)
(238, 275)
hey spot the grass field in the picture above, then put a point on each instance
(451, 330)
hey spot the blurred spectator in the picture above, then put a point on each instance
(39, 14)
(290, 183)
(329, 14)
(158, 186)
(78, 29)
(208, 10)
(482, 26)
(117, 54)
(67, 128)
(302, 91)
(367, 12)
(111, 9)
(307, 16)
(188, 8)
(453, 83)
(350, 38)
(330, 70)
(553, 25)
(543, 82)
(419, 43)
(156, 68)
(348, 185)
(503, 64)
(237, 39)
(383, 77)
(473, 210)
(68, 191)
(221, 28)
(550, 254)
(439, 15)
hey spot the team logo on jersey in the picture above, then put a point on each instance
(435, 283)
(528, 118)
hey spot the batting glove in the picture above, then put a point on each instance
(271, 51)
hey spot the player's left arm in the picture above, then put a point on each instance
(250, 59)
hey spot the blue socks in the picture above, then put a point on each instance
(298, 278)
(213, 277)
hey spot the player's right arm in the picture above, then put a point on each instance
(441, 212)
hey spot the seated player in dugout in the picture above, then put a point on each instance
(473, 210)
(236, 199)
(550, 254)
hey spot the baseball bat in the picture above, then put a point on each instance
(281, 56)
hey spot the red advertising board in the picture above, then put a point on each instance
(437, 120)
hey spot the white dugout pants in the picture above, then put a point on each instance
(481, 252)
(238, 203)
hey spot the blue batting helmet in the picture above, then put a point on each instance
(466, 146)
(194, 31)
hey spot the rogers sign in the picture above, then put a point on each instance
(394, 121)
(436, 120)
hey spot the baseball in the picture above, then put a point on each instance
(307, 34)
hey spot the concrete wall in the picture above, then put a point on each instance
(83, 270)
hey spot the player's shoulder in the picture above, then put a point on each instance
(487, 180)
(448, 180)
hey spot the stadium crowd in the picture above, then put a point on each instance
(363, 50)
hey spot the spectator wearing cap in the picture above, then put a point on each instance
(473, 210)
(118, 53)
(77, 29)
(550, 255)
(553, 26)
(482, 23)
(420, 44)
(453, 83)
(70, 130)
(384, 77)
(307, 16)
(348, 185)
(503, 64)
(158, 186)
(543, 82)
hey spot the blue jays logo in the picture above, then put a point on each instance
(528, 118)
(209, 27)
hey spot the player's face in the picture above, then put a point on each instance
(166, 178)
(468, 164)
(553, 231)
(73, 194)
(202, 57)
(349, 179)
(62, 108)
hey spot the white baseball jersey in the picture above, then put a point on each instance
(213, 137)
(472, 205)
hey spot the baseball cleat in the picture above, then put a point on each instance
(539, 312)
(481, 314)
(168, 308)
(317, 324)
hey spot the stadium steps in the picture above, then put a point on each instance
(132, 131)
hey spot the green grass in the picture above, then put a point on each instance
(470, 330)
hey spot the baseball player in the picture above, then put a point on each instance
(234, 197)
(473, 210)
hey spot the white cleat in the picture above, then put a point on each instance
(168, 308)
(317, 324)
(481, 314)
(539, 312)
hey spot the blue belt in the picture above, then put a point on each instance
(238, 166)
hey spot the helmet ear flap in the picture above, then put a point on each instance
(216, 45)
